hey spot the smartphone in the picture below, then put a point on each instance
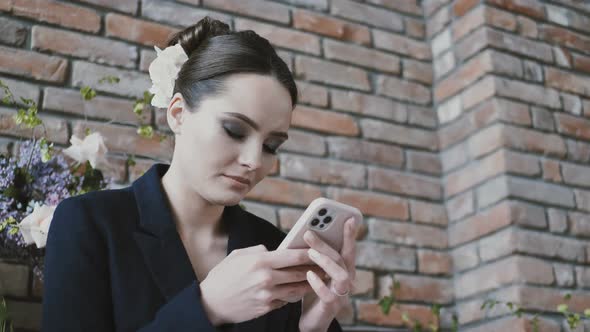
(326, 218)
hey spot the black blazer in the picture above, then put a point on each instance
(115, 262)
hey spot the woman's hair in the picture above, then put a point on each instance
(214, 52)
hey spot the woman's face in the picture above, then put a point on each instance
(232, 135)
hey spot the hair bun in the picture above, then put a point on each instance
(193, 36)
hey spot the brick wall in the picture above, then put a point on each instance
(461, 129)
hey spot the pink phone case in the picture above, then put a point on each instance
(326, 218)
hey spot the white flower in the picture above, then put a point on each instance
(35, 226)
(163, 73)
(91, 148)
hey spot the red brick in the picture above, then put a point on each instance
(527, 27)
(431, 6)
(468, 23)
(379, 130)
(428, 213)
(313, 94)
(174, 14)
(464, 76)
(581, 63)
(364, 151)
(282, 37)
(421, 117)
(15, 279)
(106, 108)
(371, 105)
(500, 19)
(479, 225)
(573, 126)
(380, 256)
(564, 37)
(520, 45)
(13, 32)
(360, 56)
(478, 92)
(406, 6)
(551, 171)
(566, 81)
(33, 65)
(323, 171)
(547, 299)
(419, 71)
(141, 166)
(364, 283)
(417, 288)
(138, 31)
(403, 90)
(574, 174)
(54, 12)
(409, 234)
(434, 262)
(324, 121)
(477, 172)
(528, 92)
(131, 84)
(304, 142)
(372, 204)
(423, 162)
(438, 21)
(569, 18)
(372, 313)
(331, 27)
(95, 49)
(526, 7)
(534, 141)
(582, 200)
(401, 45)
(367, 14)
(20, 89)
(126, 140)
(275, 190)
(471, 44)
(403, 183)
(127, 6)
(415, 28)
(578, 151)
(57, 129)
(331, 73)
(580, 224)
(255, 8)
(506, 271)
(460, 7)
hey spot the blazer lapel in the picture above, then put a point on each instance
(162, 248)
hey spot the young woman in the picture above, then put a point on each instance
(174, 251)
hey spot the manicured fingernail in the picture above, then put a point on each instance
(313, 253)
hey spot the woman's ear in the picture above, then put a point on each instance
(175, 113)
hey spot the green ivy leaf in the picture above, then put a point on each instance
(138, 108)
(87, 93)
(109, 79)
(146, 131)
(13, 230)
(562, 308)
(385, 304)
(567, 296)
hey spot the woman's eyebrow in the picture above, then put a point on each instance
(254, 125)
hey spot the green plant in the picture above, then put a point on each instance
(5, 321)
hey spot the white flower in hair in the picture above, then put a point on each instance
(164, 71)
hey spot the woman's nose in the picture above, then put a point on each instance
(251, 156)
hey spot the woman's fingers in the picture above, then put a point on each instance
(348, 251)
(319, 245)
(321, 289)
(339, 275)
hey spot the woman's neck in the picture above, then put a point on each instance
(192, 213)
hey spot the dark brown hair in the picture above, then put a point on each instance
(214, 52)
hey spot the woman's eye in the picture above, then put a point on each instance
(270, 150)
(233, 134)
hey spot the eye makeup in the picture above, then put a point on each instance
(237, 132)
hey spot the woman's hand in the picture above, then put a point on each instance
(252, 281)
(319, 311)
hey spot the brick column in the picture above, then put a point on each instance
(511, 93)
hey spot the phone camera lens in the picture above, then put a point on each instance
(322, 226)
(315, 222)
(327, 219)
(322, 212)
